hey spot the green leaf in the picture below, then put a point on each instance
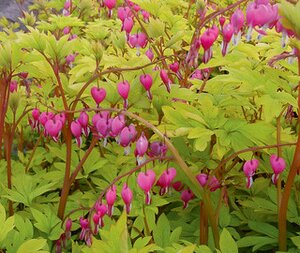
(258, 241)
(227, 244)
(296, 241)
(33, 246)
(264, 228)
(161, 233)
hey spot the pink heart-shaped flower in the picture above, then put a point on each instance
(98, 94)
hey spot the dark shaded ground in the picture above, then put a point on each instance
(10, 9)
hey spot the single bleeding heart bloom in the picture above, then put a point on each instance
(117, 124)
(34, 123)
(53, 128)
(44, 117)
(227, 35)
(197, 74)
(101, 210)
(141, 148)
(96, 220)
(207, 39)
(66, 30)
(68, 228)
(124, 12)
(249, 169)
(111, 196)
(110, 4)
(67, 4)
(98, 94)
(125, 137)
(202, 179)
(186, 196)
(13, 86)
(146, 15)
(177, 186)
(165, 78)
(84, 224)
(123, 90)
(126, 194)
(149, 54)
(157, 148)
(174, 67)
(213, 184)
(278, 165)
(137, 41)
(84, 122)
(76, 130)
(146, 81)
(165, 180)
(145, 182)
(70, 59)
(237, 20)
(103, 127)
(127, 25)
(23, 75)
(61, 117)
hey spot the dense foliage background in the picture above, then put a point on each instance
(186, 112)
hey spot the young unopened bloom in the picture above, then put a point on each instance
(126, 194)
(249, 169)
(186, 196)
(146, 15)
(278, 165)
(76, 130)
(146, 181)
(98, 94)
(149, 54)
(166, 179)
(13, 86)
(111, 196)
(165, 78)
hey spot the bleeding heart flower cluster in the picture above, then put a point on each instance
(277, 163)
(126, 15)
(52, 123)
(260, 16)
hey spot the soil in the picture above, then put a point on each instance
(10, 9)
